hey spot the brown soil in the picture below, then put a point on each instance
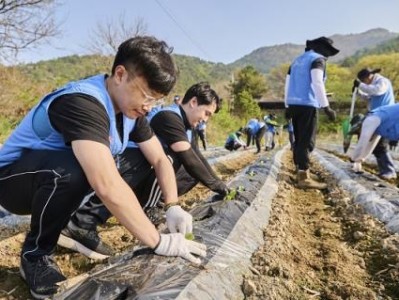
(318, 245)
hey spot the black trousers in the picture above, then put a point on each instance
(141, 177)
(257, 138)
(304, 120)
(50, 186)
(201, 136)
(232, 146)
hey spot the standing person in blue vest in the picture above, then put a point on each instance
(173, 125)
(200, 132)
(381, 122)
(304, 94)
(255, 130)
(378, 91)
(71, 141)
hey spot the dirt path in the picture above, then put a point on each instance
(321, 246)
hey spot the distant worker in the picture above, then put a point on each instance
(380, 123)
(234, 142)
(200, 133)
(271, 131)
(290, 129)
(378, 91)
(255, 130)
(304, 94)
(177, 99)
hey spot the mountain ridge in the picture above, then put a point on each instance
(265, 58)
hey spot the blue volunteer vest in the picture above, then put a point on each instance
(253, 126)
(385, 99)
(174, 108)
(35, 131)
(389, 127)
(299, 87)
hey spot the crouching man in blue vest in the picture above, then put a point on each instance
(173, 125)
(382, 122)
(70, 142)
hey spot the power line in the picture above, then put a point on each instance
(183, 30)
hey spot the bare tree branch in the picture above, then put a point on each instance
(107, 36)
(25, 24)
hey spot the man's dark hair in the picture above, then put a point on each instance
(204, 93)
(148, 57)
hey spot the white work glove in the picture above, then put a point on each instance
(175, 244)
(178, 219)
(357, 167)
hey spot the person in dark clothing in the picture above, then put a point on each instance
(71, 141)
(304, 95)
(234, 142)
(255, 130)
(173, 125)
(200, 133)
(290, 129)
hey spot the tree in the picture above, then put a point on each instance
(277, 77)
(250, 80)
(245, 106)
(108, 35)
(25, 24)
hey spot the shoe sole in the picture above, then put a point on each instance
(35, 295)
(69, 243)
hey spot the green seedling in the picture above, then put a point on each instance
(251, 173)
(189, 236)
(233, 193)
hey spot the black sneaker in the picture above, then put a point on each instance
(41, 276)
(84, 241)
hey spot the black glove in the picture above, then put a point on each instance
(330, 113)
(222, 190)
(356, 83)
(287, 113)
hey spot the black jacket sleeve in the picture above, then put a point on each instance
(197, 169)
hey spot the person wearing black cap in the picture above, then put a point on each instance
(304, 94)
(378, 91)
(374, 88)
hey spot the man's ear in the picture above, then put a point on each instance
(193, 102)
(119, 72)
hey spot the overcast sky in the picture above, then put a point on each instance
(220, 30)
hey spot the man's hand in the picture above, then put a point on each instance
(330, 113)
(175, 244)
(222, 190)
(287, 113)
(356, 84)
(357, 167)
(178, 219)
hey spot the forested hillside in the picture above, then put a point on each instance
(390, 46)
(266, 58)
(23, 85)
